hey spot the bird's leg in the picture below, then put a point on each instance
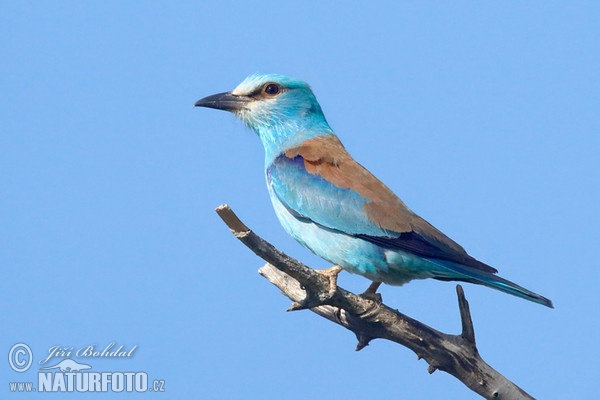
(371, 292)
(331, 274)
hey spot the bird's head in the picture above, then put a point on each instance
(282, 111)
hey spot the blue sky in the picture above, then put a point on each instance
(483, 117)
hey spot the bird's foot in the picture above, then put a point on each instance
(331, 274)
(317, 299)
(371, 292)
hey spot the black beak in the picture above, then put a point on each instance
(224, 101)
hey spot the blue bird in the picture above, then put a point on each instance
(334, 206)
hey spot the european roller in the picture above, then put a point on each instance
(334, 206)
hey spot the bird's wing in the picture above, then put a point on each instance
(319, 181)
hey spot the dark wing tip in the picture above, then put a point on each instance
(416, 244)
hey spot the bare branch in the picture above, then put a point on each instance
(370, 319)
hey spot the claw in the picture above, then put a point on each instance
(318, 299)
(331, 274)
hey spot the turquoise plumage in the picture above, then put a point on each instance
(335, 207)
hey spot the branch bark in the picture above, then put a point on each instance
(371, 319)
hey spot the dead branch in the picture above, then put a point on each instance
(370, 319)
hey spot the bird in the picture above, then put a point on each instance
(334, 206)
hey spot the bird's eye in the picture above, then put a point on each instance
(271, 89)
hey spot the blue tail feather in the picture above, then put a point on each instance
(456, 272)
